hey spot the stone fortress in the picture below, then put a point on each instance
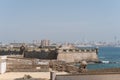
(58, 58)
(59, 53)
(77, 54)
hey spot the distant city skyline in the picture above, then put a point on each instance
(59, 20)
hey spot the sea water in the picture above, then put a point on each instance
(110, 56)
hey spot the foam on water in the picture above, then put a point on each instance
(109, 57)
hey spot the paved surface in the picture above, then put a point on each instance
(14, 75)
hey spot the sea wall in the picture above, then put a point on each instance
(77, 55)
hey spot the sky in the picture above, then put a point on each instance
(59, 20)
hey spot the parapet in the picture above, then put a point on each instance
(85, 50)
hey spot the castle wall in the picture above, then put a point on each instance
(76, 56)
(36, 54)
(43, 54)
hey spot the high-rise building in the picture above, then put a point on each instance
(45, 42)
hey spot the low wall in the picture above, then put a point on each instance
(99, 76)
(27, 65)
(89, 77)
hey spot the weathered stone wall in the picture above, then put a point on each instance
(36, 54)
(52, 54)
(8, 52)
(30, 65)
(77, 56)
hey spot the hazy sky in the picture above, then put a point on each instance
(59, 20)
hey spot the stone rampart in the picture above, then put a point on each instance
(74, 55)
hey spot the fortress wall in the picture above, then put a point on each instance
(76, 57)
(40, 55)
